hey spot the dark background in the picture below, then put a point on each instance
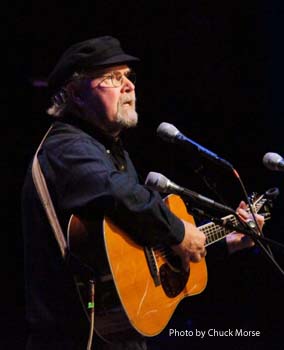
(214, 69)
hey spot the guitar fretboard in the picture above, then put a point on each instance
(214, 232)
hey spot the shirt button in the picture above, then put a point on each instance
(108, 151)
(122, 167)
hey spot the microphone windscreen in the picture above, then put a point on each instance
(271, 160)
(156, 181)
(167, 131)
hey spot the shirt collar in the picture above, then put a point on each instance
(107, 140)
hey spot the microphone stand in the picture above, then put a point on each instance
(258, 240)
(242, 227)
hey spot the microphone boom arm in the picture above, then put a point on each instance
(180, 138)
(205, 201)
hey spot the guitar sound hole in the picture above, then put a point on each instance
(173, 279)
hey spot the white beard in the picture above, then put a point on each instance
(127, 116)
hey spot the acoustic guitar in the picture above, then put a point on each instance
(150, 281)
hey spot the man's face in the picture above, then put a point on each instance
(109, 100)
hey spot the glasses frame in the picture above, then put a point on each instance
(130, 75)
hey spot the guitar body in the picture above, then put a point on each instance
(150, 282)
(149, 305)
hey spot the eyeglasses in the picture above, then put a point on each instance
(116, 78)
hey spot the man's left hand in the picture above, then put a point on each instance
(238, 241)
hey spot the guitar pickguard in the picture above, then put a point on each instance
(173, 280)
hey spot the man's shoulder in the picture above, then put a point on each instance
(65, 136)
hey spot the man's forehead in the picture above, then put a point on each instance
(121, 67)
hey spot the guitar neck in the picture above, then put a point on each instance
(215, 232)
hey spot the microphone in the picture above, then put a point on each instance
(160, 183)
(273, 161)
(170, 133)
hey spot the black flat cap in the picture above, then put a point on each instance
(87, 55)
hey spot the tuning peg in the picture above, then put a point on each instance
(272, 193)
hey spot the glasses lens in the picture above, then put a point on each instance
(108, 81)
(115, 79)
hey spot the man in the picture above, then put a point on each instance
(89, 174)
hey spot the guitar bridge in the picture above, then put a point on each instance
(152, 264)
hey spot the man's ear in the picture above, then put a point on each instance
(75, 94)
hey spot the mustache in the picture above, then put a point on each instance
(128, 98)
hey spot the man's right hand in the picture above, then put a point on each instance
(192, 247)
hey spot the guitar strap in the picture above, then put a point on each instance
(42, 190)
(46, 201)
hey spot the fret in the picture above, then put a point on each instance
(214, 232)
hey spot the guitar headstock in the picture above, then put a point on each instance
(263, 204)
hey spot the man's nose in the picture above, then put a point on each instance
(127, 85)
